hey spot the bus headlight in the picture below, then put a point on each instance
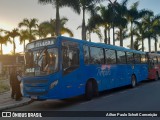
(53, 84)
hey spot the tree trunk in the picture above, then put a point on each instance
(121, 38)
(83, 26)
(149, 44)
(155, 44)
(1, 49)
(105, 35)
(58, 26)
(14, 47)
(109, 38)
(132, 46)
(90, 36)
(142, 44)
(24, 45)
(113, 35)
(30, 34)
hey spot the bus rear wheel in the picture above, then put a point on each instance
(89, 90)
(133, 81)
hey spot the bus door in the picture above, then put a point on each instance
(70, 68)
(144, 67)
(152, 67)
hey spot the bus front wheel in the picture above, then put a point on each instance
(133, 81)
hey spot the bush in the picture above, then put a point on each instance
(4, 87)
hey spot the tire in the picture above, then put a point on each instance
(89, 90)
(133, 81)
(157, 76)
(95, 89)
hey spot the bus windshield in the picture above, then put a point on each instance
(41, 62)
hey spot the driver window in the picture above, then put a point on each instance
(70, 54)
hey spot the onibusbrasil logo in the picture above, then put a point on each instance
(21, 114)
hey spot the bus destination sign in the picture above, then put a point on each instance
(41, 43)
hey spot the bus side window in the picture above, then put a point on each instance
(143, 59)
(121, 57)
(96, 55)
(86, 54)
(130, 58)
(155, 60)
(158, 60)
(70, 59)
(137, 58)
(110, 56)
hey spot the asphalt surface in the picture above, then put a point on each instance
(145, 97)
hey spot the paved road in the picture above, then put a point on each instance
(145, 97)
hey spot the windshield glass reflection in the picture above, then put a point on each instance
(41, 62)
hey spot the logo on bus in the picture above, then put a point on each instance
(104, 70)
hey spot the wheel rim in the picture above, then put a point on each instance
(133, 81)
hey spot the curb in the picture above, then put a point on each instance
(16, 105)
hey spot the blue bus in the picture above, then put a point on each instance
(63, 67)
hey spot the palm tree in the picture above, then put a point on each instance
(103, 19)
(24, 35)
(29, 25)
(133, 14)
(3, 40)
(64, 29)
(92, 28)
(139, 32)
(87, 5)
(48, 27)
(156, 29)
(120, 19)
(121, 35)
(137, 45)
(12, 34)
(74, 4)
(40, 32)
(151, 24)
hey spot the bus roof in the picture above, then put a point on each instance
(119, 48)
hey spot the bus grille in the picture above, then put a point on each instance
(35, 87)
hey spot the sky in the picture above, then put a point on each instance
(14, 11)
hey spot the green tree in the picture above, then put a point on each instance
(74, 4)
(48, 27)
(121, 35)
(30, 26)
(133, 15)
(40, 32)
(103, 18)
(3, 40)
(152, 28)
(13, 34)
(92, 28)
(87, 5)
(24, 35)
(120, 19)
(156, 30)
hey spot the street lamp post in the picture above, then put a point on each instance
(113, 3)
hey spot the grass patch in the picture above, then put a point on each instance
(4, 87)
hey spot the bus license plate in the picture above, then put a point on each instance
(33, 97)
